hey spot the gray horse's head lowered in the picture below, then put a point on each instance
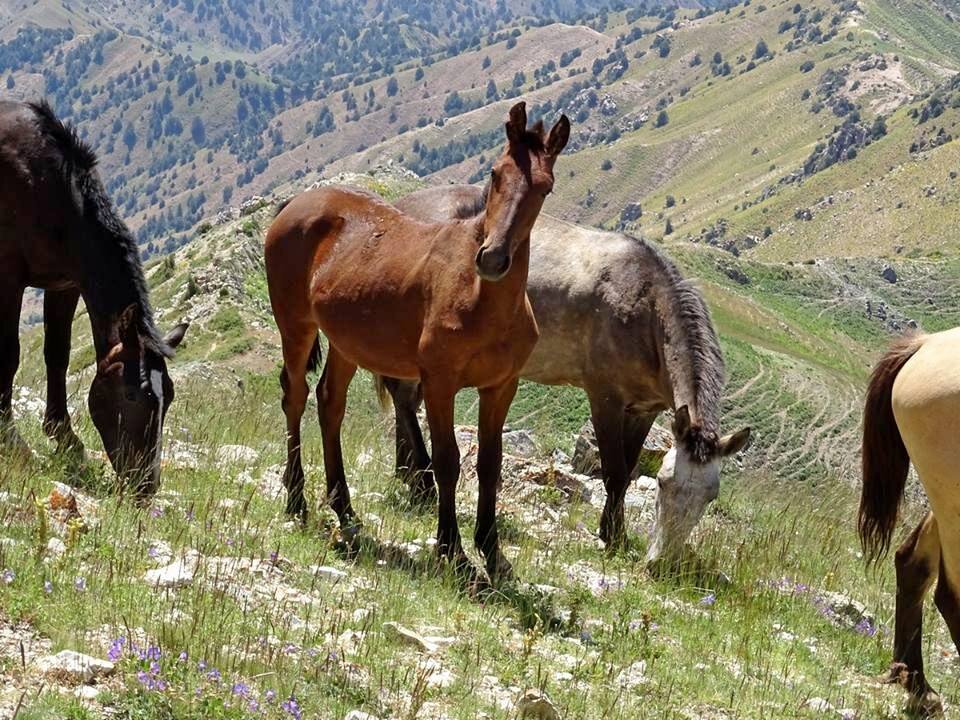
(688, 481)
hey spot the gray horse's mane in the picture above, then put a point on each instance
(681, 306)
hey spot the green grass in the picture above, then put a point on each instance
(706, 645)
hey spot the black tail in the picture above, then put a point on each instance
(885, 461)
(316, 355)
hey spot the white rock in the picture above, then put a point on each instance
(408, 636)
(74, 667)
(177, 574)
(55, 548)
(87, 693)
(327, 572)
(236, 454)
(633, 676)
(359, 715)
(818, 704)
(535, 705)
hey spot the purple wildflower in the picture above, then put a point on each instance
(240, 688)
(116, 649)
(153, 653)
(214, 675)
(8, 576)
(156, 511)
(270, 696)
(80, 584)
(183, 656)
(47, 587)
(292, 708)
(708, 599)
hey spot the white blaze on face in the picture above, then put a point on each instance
(684, 489)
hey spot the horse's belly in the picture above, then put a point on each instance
(374, 339)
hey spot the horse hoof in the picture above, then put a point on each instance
(927, 705)
(350, 531)
(501, 572)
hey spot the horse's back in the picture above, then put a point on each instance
(926, 405)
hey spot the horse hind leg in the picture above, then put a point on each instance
(11, 299)
(297, 350)
(413, 459)
(916, 562)
(58, 311)
(331, 407)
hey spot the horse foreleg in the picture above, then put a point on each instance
(413, 459)
(58, 311)
(494, 405)
(635, 431)
(10, 301)
(331, 407)
(607, 413)
(293, 381)
(917, 561)
(438, 397)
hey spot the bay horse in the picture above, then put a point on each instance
(59, 232)
(912, 414)
(617, 319)
(440, 303)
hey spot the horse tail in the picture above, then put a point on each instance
(383, 395)
(316, 355)
(885, 462)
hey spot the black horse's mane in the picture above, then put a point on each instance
(78, 163)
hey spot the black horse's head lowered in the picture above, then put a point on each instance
(132, 391)
(129, 399)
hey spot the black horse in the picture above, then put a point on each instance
(59, 232)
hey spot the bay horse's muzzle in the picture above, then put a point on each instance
(492, 263)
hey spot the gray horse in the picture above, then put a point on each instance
(617, 319)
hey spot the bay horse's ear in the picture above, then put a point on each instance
(175, 336)
(128, 327)
(112, 364)
(681, 421)
(517, 123)
(734, 442)
(558, 137)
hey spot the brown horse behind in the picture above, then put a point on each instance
(442, 303)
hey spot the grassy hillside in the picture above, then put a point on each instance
(264, 619)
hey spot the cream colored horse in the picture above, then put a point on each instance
(912, 414)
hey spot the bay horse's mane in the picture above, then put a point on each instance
(679, 303)
(78, 163)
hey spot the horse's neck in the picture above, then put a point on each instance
(108, 287)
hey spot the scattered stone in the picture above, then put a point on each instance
(803, 214)
(327, 573)
(359, 715)
(818, 704)
(520, 443)
(74, 667)
(56, 548)
(633, 676)
(888, 274)
(535, 705)
(397, 631)
(548, 475)
(87, 693)
(177, 574)
(236, 455)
